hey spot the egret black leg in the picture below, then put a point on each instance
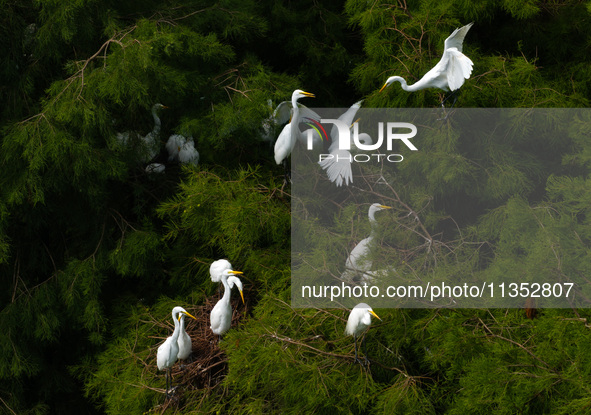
(454, 95)
(167, 382)
(286, 171)
(356, 353)
(364, 348)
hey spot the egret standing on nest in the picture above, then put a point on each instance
(450, 72)
(358, 322)
(221, 314)
(169, 350)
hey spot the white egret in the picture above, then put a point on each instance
(150, 143)
(182, 149)
(221, 314)
(290, 133)
(173, 146)
(188, 154)
(358, 322)
(338, 164)
(358, 261)
(168, 351)
(450, 72)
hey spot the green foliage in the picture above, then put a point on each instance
(95, 252)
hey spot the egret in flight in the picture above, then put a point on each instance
(290, 133)
(358, 322)
(338, 163)
(221, 314)
(357, 261)
(169, 350)
(450, 72)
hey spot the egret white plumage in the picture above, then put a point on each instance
(358, 261)
(290, 133)
(450, 72)
(173, 146)
(217, 267)
(221, 314)
(338, 164)
(358, 322)
(188, 154)
(168, 351)
(182, 149)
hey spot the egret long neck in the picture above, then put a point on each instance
(373, 222)
(226, 296)
(157, 124)
(406, 87)
(176, 332)
(182, 325)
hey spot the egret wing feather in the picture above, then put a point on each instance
(282, 113)
(338, 168)
(456, 39)
(459, 68)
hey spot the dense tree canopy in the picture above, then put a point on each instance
(95, 251)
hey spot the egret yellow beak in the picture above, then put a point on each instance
(242, 296)
(236, 272)
(194, 318)
(164, 106)
(375, 315)
(385, 207)
(308, 94)
(357, 120)
(382, 88)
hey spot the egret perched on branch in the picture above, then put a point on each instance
(290, 133)
(358, 322)
(221, 314)
(450, 72)
(338, 163)
(357, 261)
(169, 350)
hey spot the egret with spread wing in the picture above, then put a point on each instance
(450, 72)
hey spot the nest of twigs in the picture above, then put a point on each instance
(207, 364)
